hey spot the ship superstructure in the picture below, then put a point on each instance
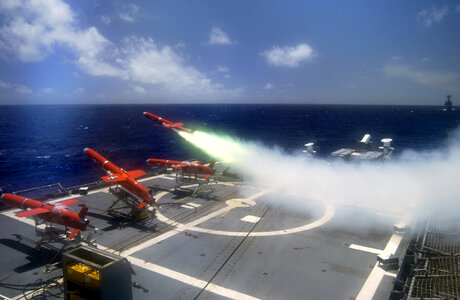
(364, 150)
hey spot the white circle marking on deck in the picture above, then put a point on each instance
(328, 214)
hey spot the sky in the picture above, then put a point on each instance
(161, 52)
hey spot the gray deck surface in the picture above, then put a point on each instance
(221, 256)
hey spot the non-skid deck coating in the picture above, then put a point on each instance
(234, 242)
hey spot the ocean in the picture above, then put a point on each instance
(41, 145)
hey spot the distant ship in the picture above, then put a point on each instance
(448, 104)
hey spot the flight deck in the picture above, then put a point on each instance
(230, 240)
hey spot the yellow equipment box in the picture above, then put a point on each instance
(93, 279)
(84, 274)
(91, 273)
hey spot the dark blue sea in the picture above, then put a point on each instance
(42, 145)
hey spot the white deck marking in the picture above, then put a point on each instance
(377, 273)
(366, 249)
(191, 205)
(250, 219)
(182, 227)
(187, 207)
(328, 214)
(216, 289)
(235, 202)
(243, 202)
(160, 195)
(229, 183)
(5, 297)
(390, 274)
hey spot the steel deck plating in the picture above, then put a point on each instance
(235, 242)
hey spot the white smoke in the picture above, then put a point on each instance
(418, 183)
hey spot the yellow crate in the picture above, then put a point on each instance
(93, 279)
(76, 272)
(84, 274)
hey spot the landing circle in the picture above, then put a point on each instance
(328, 214)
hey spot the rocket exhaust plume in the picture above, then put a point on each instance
(411, 183)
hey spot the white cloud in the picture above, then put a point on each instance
(288, 56)
(145, 62)
(218, 37)
(435, 79)
(33, 27)
(222, 69)
(16, 88)
(48, 91)
(21, 89)
(30, 35)
(268, 86)
(128, 12)
(457, 9)
(94, 52)
(33, 30)
(434, 15)
(105, 19)
(139, 89)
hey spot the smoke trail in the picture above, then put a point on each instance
(414, 182)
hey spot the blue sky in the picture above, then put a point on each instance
(320, 52)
